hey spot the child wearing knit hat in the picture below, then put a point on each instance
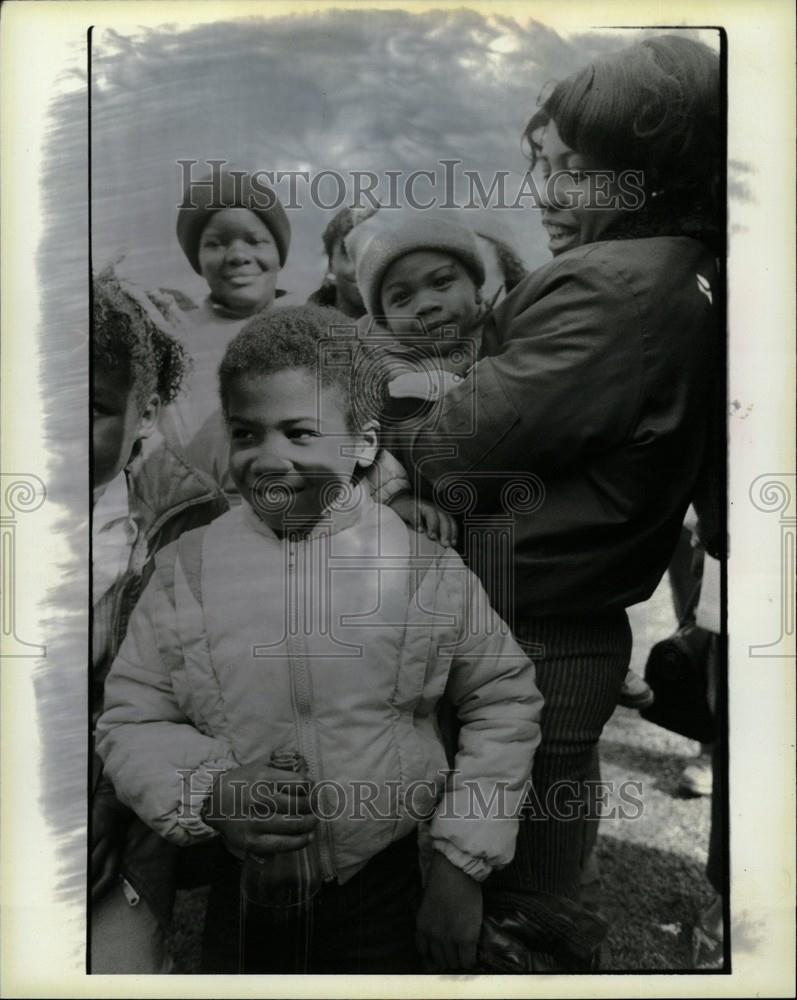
(235, 234)
(218, 211)
(421, 276)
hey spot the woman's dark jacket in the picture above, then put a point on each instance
(581, 432)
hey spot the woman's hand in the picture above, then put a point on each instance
(261, 810)
(422, 515)
(450, 918)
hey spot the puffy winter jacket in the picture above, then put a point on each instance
(167, 497)
(340, 646)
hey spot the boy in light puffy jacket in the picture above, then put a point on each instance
(312, 619)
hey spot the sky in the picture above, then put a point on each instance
(345, 90)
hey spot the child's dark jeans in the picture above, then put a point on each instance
(365, 926)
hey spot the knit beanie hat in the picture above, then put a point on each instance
(378, 242)
(230, 192)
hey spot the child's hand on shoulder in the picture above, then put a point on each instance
(422, 515)
(260, 809)
(450, 918)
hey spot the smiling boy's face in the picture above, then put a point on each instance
(432, 287)
(291, 450)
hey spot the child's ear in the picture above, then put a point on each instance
(367, 444)
(148, 420)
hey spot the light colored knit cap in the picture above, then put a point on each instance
(378, 242)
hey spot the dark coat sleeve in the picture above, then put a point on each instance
(566, 381)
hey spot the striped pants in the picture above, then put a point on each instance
(581, 663)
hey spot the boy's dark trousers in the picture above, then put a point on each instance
(366, 925)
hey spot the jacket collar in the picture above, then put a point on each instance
(349, 509)
(219, 309)
(162, 483)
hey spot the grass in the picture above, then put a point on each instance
(652, 867)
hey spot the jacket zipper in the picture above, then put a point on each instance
(303, 702)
